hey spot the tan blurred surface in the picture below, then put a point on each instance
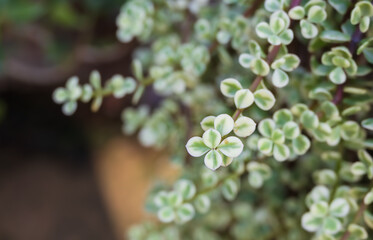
(125, 173)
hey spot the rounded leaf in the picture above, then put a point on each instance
(339, 207)
(301, 144)
(245, 59)
(229, 189)
(309, 119)
(213, 160)
(259, 67)
(279, 78)
(291, 130)
(207, 123)
(320, 209)
(244, 126)
(185, 213)
(166, 214)
(337, 76)
(281, 152)
(186, 188)
(264, 99)
(331, 225)
(231, 147)
(60, 95)
(266, 127)
(368, 124)
(243, 98)
(224, 124)
(316, 14)
(311, 223)
(229, 87)
(308, 29)
(211, 138)
(297, 13)
(202, 203)
(196, 147)
(265, 146)
(263, 30)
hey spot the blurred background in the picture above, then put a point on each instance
(64, 177)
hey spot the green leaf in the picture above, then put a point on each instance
(365, 157)
(265, 146)
(264, 99)
(196, 147)
(281, 152)
(226, 161)
(87, 93)
(202, 203)
(224, 124)
(368, 219)
(95, 80)
(301, 144)
(279, 78)
(186, 188)
(207, 123)
(263, 30)
(255, 179)
(308, 29)
(229, 189)
(161, 199)
(243, 98)
(213, 160)
(337, 76)
(60, 95)
(231, 147)
(316, 14)
(245, 60)
(292, 61)
(69, 108)
(211, 138)
(259, 67)
(185, 213)
(309, 119)
(319, 209)
(286, 37)
(266, 127)
(174, 199)
(350, 130)
(333, 36)
(244, 126)
(277, 25)
(278, 136)
(368, 199)
(297, 13)
(282, 116)
(358, 169)
(298, 109)
(166, 214)
(229, 87)
(310, 222)
(367, 124)
(331, 225)
(320, 93)
(357, 231)
(340, 5)
(291, 130)
(339, 207)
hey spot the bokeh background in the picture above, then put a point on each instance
(66, 178)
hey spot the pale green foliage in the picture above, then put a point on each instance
(299, 72)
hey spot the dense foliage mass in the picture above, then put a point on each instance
(265, 104)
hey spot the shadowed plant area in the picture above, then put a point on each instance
(263, 106)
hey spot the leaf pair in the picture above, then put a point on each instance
(244, 98)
